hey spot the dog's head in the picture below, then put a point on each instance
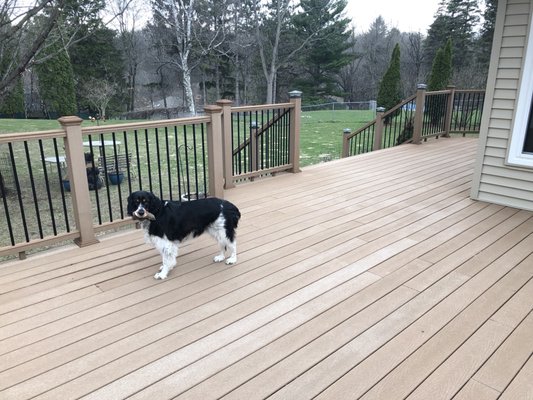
(143, 205)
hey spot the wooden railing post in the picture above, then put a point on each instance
(419, 113)
(253, 146)
(215, 151)
(77, 175)
(296, 113)
(345, 142)
(449, 111)
(227, 143)
(378, 130)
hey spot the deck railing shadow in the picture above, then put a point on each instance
(70, 184)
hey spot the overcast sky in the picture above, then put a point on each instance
(407, 15)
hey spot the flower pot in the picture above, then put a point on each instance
(116, 178)
(66, 185)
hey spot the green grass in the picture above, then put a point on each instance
(320, 136)
(321, 133)
(8, 125)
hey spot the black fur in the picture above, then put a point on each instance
(176, 221)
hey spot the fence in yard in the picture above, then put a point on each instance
(71, 183)
(423, 115)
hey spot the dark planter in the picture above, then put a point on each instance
(66, 185)
(116, 178)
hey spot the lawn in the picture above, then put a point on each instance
(321, 133)
(320, 137)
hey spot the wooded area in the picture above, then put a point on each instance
(165, 58)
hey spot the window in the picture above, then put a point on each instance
(528, 142)
(520, 151)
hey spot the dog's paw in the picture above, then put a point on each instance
(219, 258)
(231, 260)
(160, 275)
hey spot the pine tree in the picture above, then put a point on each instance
(442, 68)
(455, 19)
(327, 51)
(390, 88)
(56, 82)
(13, 104)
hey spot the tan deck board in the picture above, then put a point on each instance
(369, 277)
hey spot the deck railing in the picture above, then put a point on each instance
(424, 115)
(71, 183)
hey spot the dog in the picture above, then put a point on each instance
(167, 224)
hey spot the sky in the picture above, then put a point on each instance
(407, 15)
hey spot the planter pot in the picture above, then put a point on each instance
(66, 185)
(116, 179)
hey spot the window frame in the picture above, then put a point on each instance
(516, 155)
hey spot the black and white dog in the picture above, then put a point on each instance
(166, 224)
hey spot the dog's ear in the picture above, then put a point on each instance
(131, 206)
(155, 203)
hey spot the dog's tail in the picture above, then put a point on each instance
(232, 214)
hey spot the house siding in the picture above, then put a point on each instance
(493, 180)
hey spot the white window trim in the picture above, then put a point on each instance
(515, 155)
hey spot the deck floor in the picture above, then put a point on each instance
(374, 277)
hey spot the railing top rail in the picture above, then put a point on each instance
(399, 105)
(145, 125)
(22, 136)
(435, 92)
(262, 107)
(469, 90)
(352, 134)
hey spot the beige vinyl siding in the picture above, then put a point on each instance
(493, 180)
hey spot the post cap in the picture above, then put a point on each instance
(70, 120)
(224, 102)
(422, 86)
(210, 109)
(295, 93)
(380, 109)
(346, 131)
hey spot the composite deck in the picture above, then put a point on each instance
(374, 277)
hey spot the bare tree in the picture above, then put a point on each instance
(27, 26)
(182, 20)
(129, 15)
(99, 92)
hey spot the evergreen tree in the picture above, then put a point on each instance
(56, 82)
(455, 19)
(484, 45)
(390, 88)
(326, 53)
(12, 105)
(442, 68)
(97, 57)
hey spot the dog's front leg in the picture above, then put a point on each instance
(169, 252)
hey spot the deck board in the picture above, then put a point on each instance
(371, 277)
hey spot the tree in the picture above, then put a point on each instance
(375, 49)
(97, 57)
(99, 92)
(322, 59)
(25, 26)
(455, 19)
(441, 70)
(412, 61)
(56, 82)
(13, 104)
(180, 20)
(390, 89)
(128, 16)
(484, 44)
